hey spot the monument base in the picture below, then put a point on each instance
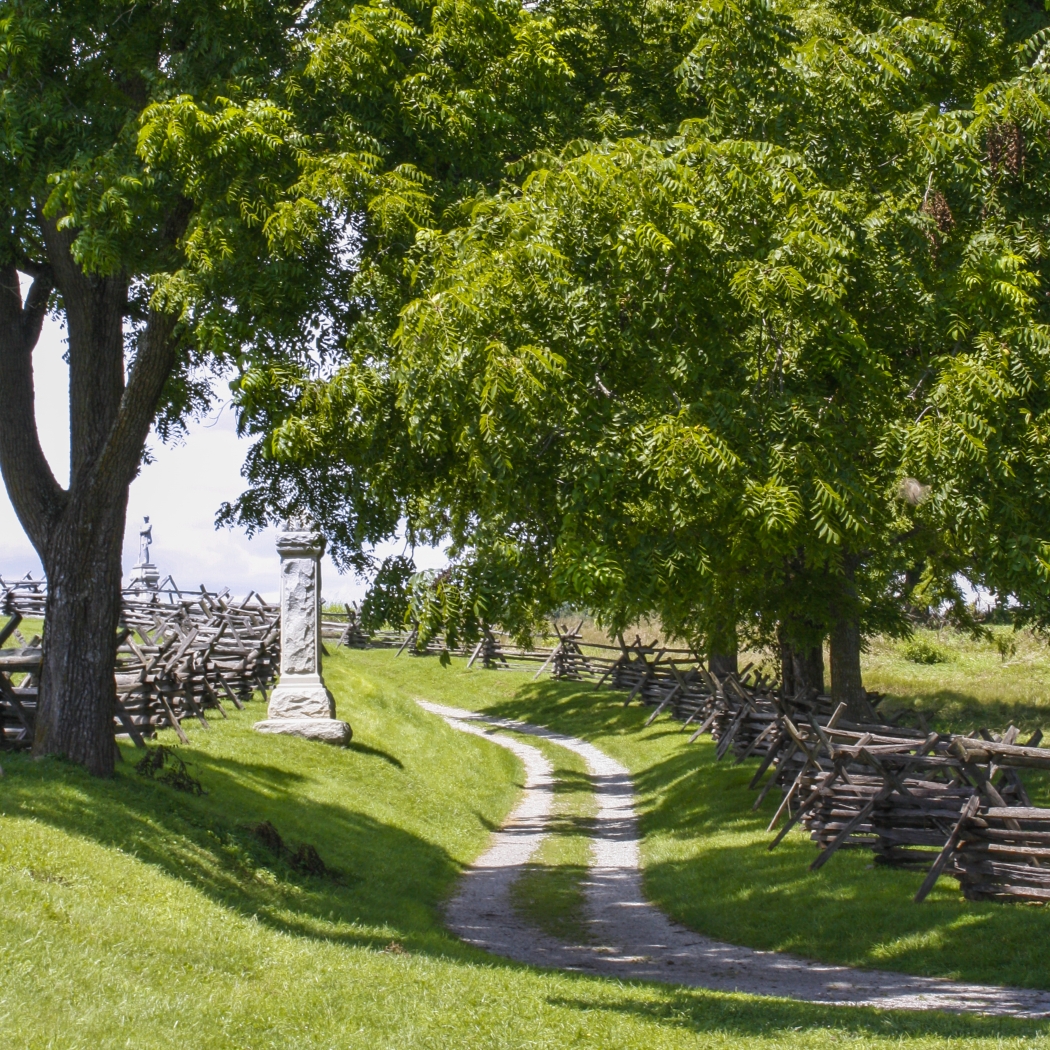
(144, 577)
(325, 730)
(301, 696)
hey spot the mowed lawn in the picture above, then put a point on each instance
(135, 915)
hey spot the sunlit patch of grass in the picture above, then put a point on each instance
(982, 681)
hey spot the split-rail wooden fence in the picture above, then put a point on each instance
(935, 802)
(181, 654)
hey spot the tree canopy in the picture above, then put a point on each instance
(724, 361)
(726, 312)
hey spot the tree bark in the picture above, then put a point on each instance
(722, 654)
(812, 660)
(77, 689)
(78, 533)
(847, 685)
(801, 668)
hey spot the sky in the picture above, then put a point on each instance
(181, 491)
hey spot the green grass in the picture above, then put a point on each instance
(550, 893)
(137, 916)
(706, 855)
(981, 682)
(27, 628)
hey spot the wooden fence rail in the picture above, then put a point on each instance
(181, 654)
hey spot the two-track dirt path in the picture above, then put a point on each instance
(633, 940)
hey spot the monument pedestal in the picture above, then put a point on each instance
(324, 730)
(300, 704)
(144, 577)
(301, 696)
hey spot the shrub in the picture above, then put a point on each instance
(920, 651)
(1006, 647)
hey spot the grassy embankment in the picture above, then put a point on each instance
(135, 915)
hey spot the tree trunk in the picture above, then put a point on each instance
(77, 688)
(812, 662)
(722, 651)
(846, 682)
(788, 684)
(78, 532)
(801, 668)
(723, 663)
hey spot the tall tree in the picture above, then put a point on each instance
(669, 373)
(156, 277)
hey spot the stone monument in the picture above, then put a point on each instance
(300, 703)
(144, 574)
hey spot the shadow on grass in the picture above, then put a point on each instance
(550, 896)
(738, 1018)
(572, 782)
(484, 821)
(383, 877)
(950, 709)
(710, 867)
(375, 752)
(578, 709)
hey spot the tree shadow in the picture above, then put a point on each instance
(573, 705)
(485, 822)
(550, 897)
(950, 709)
(738, 1018)
(391, 882)
(386, 882)
(572, 781)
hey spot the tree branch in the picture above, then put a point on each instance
(35, 309)
(37, 497)
(152, 367)
(95, 305)
(158, 351)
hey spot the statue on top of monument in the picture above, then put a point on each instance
(144, 575)
(145, 539)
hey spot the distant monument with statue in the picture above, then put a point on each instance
(300, 703)
(144, 574)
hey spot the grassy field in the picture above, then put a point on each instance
(990, 682)
(138, 916)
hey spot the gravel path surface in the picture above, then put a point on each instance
(630, 938)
